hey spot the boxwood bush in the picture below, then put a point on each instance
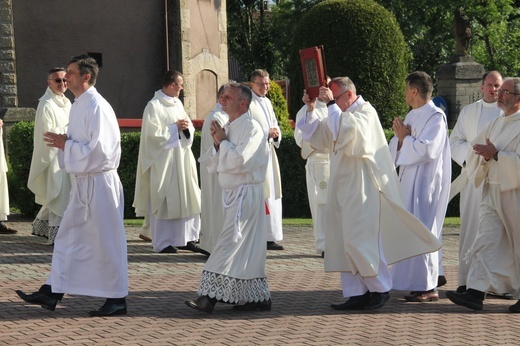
(292, 166)
(362, 40)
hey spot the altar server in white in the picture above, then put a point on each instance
(421, 153)
(49, 183)
(493, 163)
(4, 192)
(317, 171)
(471, 121)
(367, 226)
(235, 271)
(262, 111)
(212, 211)
(90, 254)
(167, 189)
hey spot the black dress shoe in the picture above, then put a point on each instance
(515, 308)
(109, 309)
(264, 305)
(354, 303)
(378, 300)
(202, 303)
(465, 299)
(39, 298)
(6, 230)
(441, 280)
(271, 245)
(168, 249)
(461, 289)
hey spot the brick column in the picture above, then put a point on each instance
(8, 91)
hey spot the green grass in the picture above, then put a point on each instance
(448, 222)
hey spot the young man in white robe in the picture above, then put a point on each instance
(367, 226)
(421, 152)
(317, 172)
(212, 211)
(4, 192)
(167, 189)
(262, 111)
(493, 162)
(235, 271)
(49, 183)
(90, 253)
(471, 121)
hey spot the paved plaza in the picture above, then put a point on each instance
(301, 293)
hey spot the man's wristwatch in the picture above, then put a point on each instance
(331, 102)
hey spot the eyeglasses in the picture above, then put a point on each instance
(59, 80)
(265, 84)
(343, 93)
(505, 92)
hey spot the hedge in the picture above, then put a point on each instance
(292, 166)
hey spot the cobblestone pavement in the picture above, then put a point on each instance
(301, 293)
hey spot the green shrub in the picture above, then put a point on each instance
(362, 40)
(275, 94)
(292, 169)
(20, 148)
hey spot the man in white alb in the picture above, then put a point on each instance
(4, 192)
(262, 111)
(90, 253)
(212, 213)
(421, 152)
(167, 190)
(471, 121)
(367, 226)
(317, 176)
(493, 162)
(49, 183)
(235, 271)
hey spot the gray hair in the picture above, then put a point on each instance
(516, 84)
(344, 83)
(245, 92)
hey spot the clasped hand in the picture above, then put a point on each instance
(217, 132)
(487, 151)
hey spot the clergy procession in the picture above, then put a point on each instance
(377, 207)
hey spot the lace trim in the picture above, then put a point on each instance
(53, 231)
(233, 290)
(40, 227)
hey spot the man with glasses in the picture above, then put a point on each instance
(49, 183)
(367, 226)
(421, 152)
(262, 111)
(167, 189)
(471, 121)
(493, 163)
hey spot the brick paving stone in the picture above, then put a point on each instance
(301, 293)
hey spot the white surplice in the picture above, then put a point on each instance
(317, 172)
(495, 254)
(49, 183)
(235, 271)
(471, 121)
(166, 188)
(90, 254)
(4, 192)
(212, 213)
(262, 111)
(424, 163)
(367, 225)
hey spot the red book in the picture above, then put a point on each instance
(314, 69)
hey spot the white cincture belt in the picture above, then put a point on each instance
(83, 181)
(239, 198)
